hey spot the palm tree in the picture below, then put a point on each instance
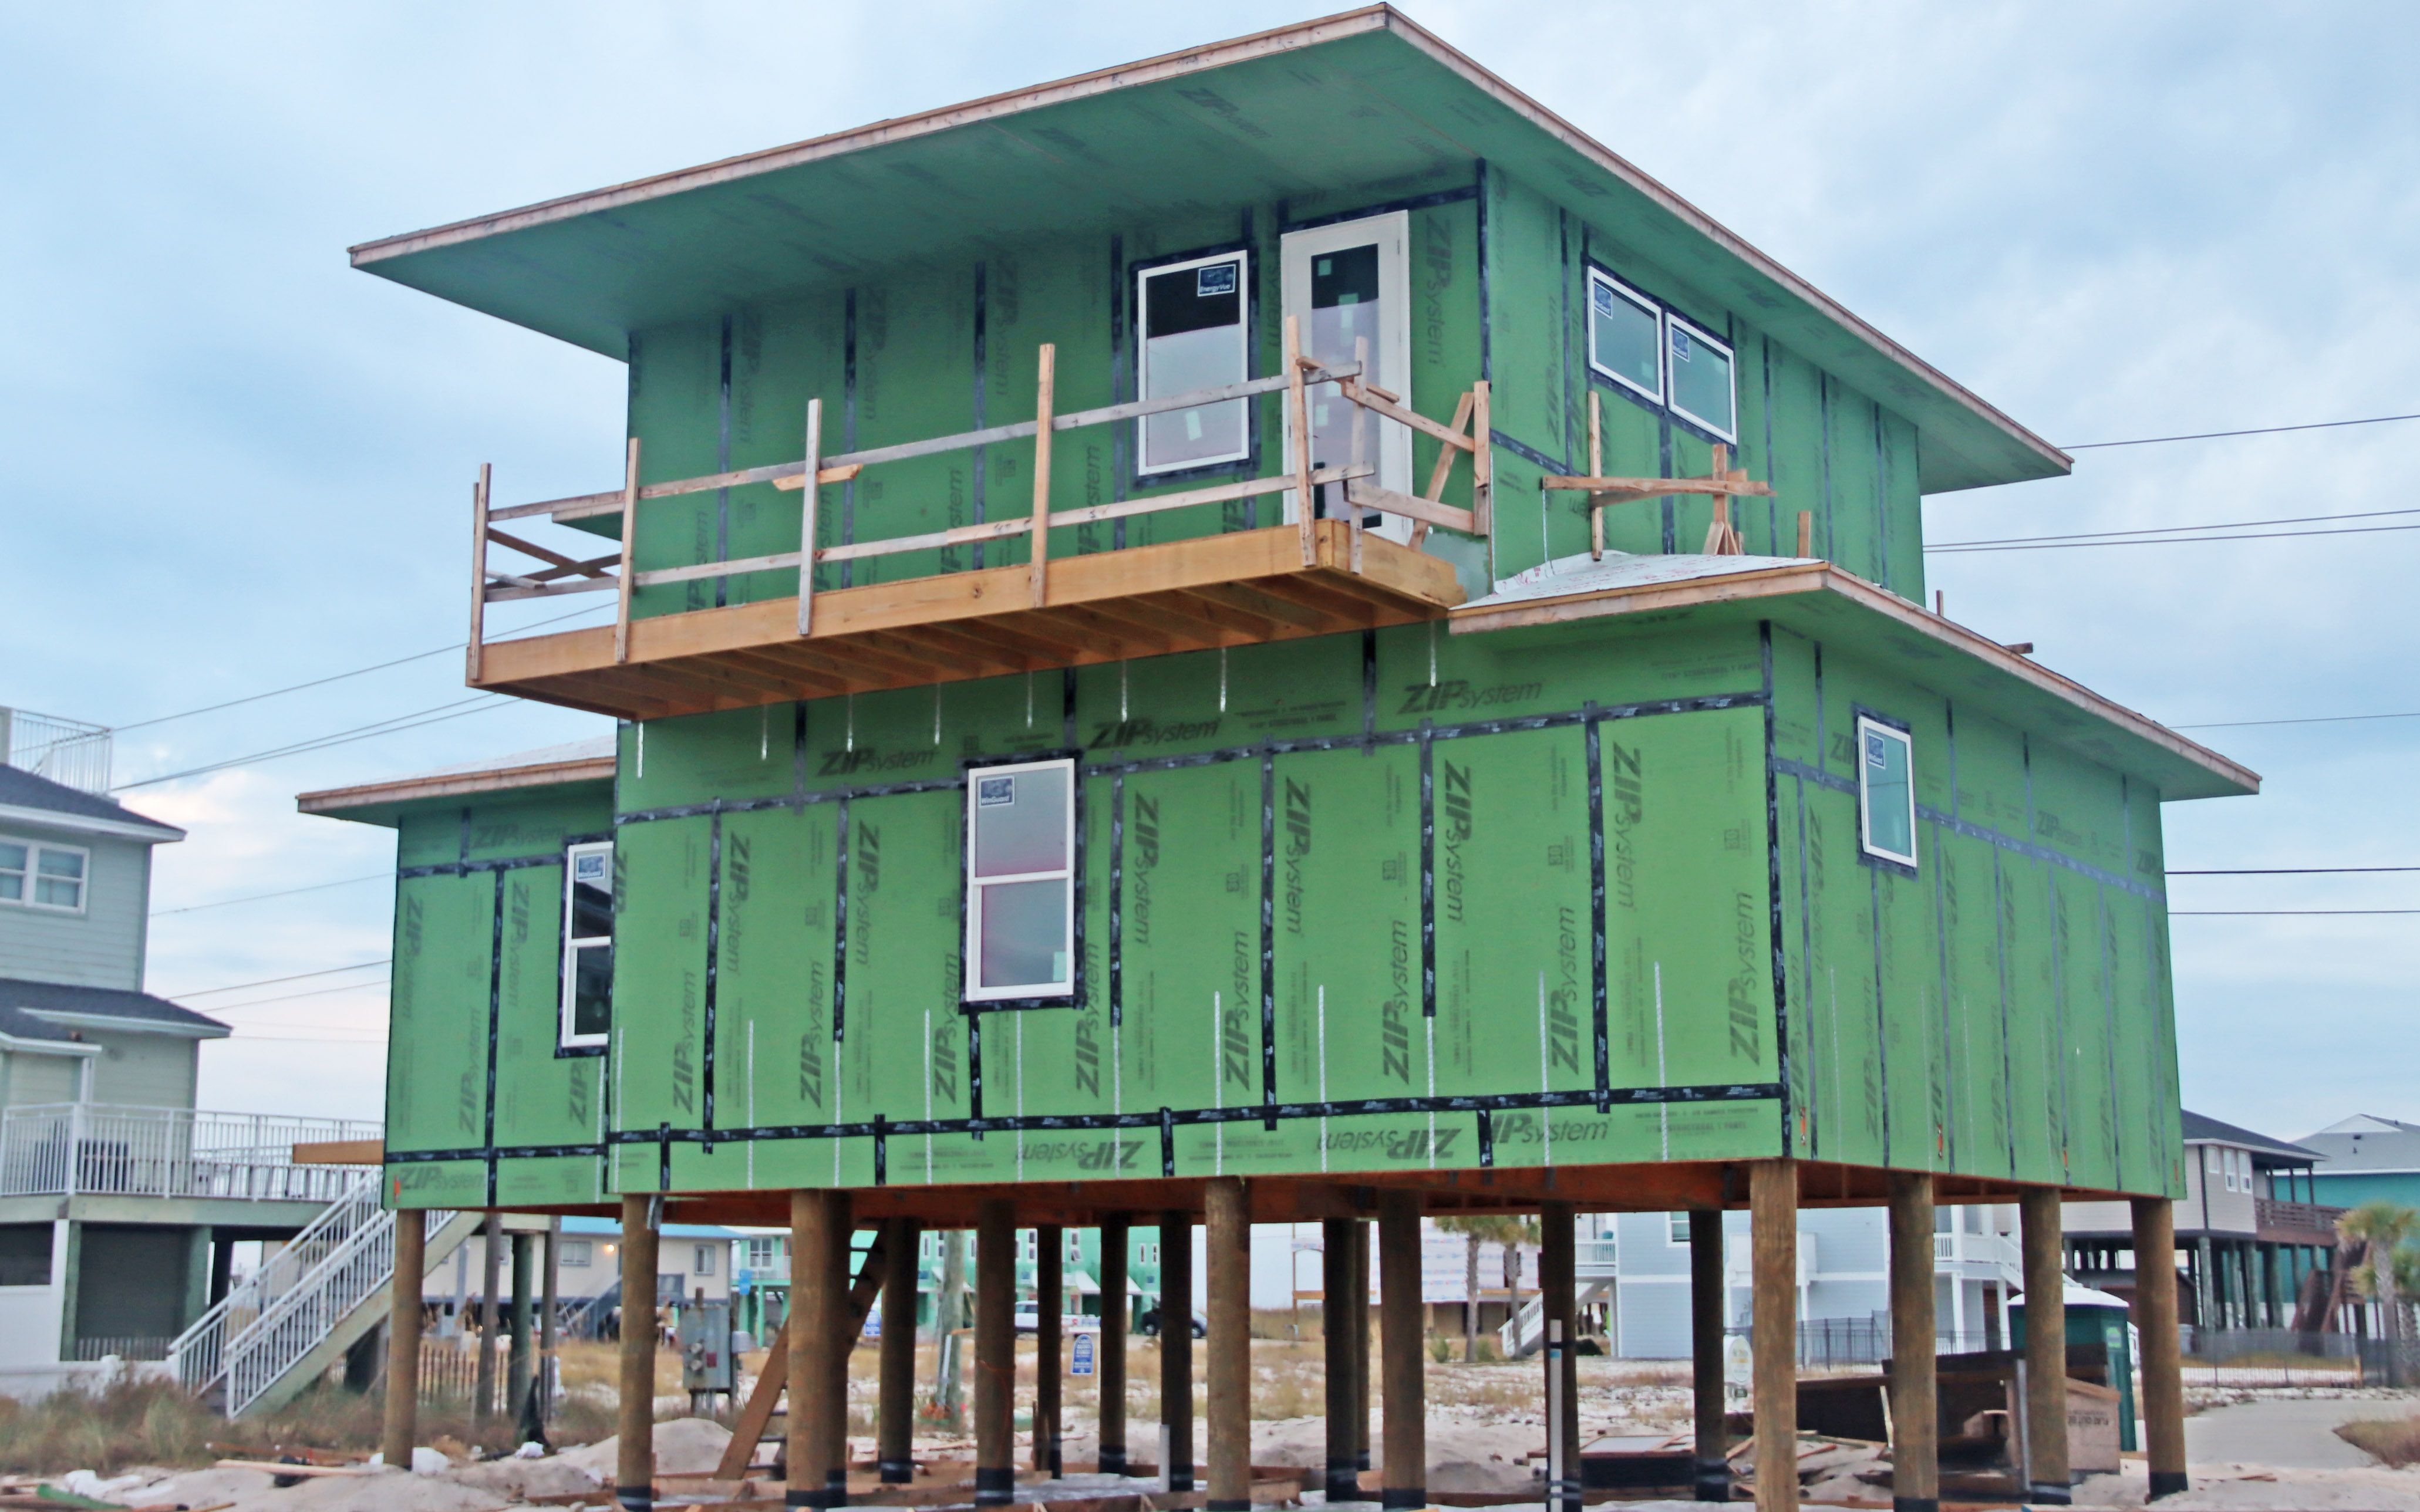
(1487, 1228)
(2380, 1228)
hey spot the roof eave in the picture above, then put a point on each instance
(345, 803)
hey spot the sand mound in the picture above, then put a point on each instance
(684, 1446)
(202, 1488)
(386, 1491)
(524, 1478)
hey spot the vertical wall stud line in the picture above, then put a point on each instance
(1824, 452)
(723, 464)
(1119, 393)
(1428, 871)
(1773, 895)
(713, 938)
(1268, 937)
(2000, 963)
(882, 1150)
(1597, 1010)
(1369, 690)
(495, 1020)
(1117, 899)
(1772, 463)
(974, 1076)
(840, 931)
(848, 427)
(1946, 1134)
(1167, 1142)
(1806, 953)
(1882, 1016)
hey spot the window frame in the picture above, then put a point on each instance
(33, 874)
(566, 1038)
(1067, 992)
(1729, 433)
(575, 1253)
(1144, 272)
(1868, 724)
(1655, 313)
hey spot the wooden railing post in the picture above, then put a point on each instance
(1596, 469)
(478, 575)
(1298, 411)
(807, 514)
(629, 531)
(1042, 475)
(1482, 463)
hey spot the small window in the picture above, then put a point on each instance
(1021, 881)
(25, 1254)
(1623, 337)
(1676, 1228)
(587, 945)
(1886, 790)
(704, 1260)
(574, 1253)
(42, 876)
(1192, 336)
(1701, 379)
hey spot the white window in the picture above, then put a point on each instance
(1625, 336)
(42, 875)
(1021, 881)
(704, 1260)
(574, 1253)
(1702, 378)
(1190, 320)
(1074, 1244)
(587, 944)
(1886, 790)
(1676, 1229)
(1147, 1253)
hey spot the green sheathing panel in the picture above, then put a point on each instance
(2004, 1010)
(478, 964)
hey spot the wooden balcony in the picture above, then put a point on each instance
(1313, 577)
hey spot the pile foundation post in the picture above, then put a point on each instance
(518, 1360)
(2043, 1248)
(895, 1391)
(1337, 1318)
(491, 1257)
(1049, 1360)
(1228, 1226)
(1558, 1312)
(1915, 1444)
(1359, 1323)
(404, 1317)
(1706, 1332)
(817, 1420)
(1773, 1333)
(2155, 1321)
(635, 1472)
(1406, 1430)
(995, 1353)
(1116, 1321)
(1177, 1349)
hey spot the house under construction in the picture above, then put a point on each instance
(1273, 634)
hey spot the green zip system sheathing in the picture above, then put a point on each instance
(1387, 903)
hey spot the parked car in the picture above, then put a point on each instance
(1149, 1327)
(1028, 1320)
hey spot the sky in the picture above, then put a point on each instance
(237, 465)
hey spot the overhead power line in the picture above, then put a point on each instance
(436, 715)
(2286, 871)
(300, 976)
(2054, 543)
(2280, 912)
(2315, 718)
(257, 897)
(2218, 435)
(2171, 529)
(287, 997)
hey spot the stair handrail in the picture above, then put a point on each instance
(291, 1326)
(198, 1355)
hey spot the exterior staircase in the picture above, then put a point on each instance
(1593, 1277)
(317, 1297)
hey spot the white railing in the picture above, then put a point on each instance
(90, 1148)
(1997, 1251)
(68, 751)
(264, 1326)
(1592, 1258)
(1522, 1333)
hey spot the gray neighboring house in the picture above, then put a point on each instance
(2367, 1159)
(121, 1204)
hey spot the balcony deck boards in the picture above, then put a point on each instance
(1229, 590)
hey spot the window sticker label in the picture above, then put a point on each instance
(1602, 297)
(1218, 278)
(1877, 752)
(994, 792)
(589, 868)
(1679, 344)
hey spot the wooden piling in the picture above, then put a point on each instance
(1228, 1225)
(815, 1459)
(995, 1352)
(403, 1336)
(2155, 1320)
(1049, 1360)
(1117, 1317)
(1336, 1321)
(895, 1426)
(634, 1473)
(550, 1296)
(2043, 1248)
(518, 1363)
(1558, 1290)
(1359, 1324)
(1404, 1429)
(1176, 1347)
(1916, 1436)
(491, 1253)
(1772, 1331)
(1707, 1307)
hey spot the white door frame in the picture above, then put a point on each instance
(1392, 231)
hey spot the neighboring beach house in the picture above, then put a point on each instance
(2365, 1159)
(120, 1203)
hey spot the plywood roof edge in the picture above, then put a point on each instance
(456, 784)
(1820, 577)
(898, 127)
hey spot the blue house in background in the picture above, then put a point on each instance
(2367, 1159)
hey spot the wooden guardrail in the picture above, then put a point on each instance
(563, 574)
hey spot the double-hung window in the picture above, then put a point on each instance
(1885, 791)
(587, 945)
(1668, 362)
(1192, 336)
(1021, 881)
(41, 875)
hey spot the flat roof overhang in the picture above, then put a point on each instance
(1819, 600)
(1355, 108)
(386, 802)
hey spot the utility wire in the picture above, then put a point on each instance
(287, 997)
(338, 677)
(394, 725)
(257, 897)
(2171, 529)
(2216, 435)
(2287, 870)
(2279, 913)
(300, 976)
(2056, 543)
